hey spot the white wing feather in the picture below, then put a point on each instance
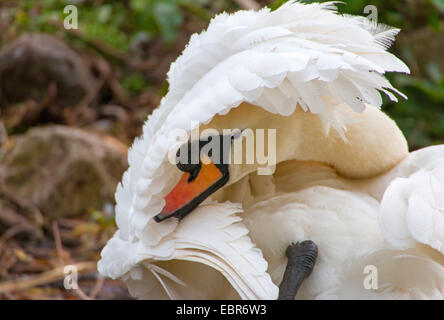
(213, 235)
(412, 207)
(306, 55)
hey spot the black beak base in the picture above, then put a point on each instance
(190, 206)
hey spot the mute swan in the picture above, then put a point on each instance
(343, 178)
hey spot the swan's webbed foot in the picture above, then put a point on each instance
(301, 259)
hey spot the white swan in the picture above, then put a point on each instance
(344, 178)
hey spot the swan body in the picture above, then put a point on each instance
(354, 227)
(343, 176)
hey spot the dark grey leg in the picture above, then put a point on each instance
(301, 259)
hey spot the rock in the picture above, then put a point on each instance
(34, 62)
(63, 171)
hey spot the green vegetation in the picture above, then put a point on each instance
(115, 22)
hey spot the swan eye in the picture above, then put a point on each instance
(202, 177)
(187, 167)
(186, 163)
(185, 160)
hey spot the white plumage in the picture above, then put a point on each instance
(302, 65)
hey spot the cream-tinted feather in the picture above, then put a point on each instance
(299, 56)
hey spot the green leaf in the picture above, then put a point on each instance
(139, 5)
(168, 17)
(104, 13)
(135, 83)
(434, 21)
(434, 72)
(439, 4)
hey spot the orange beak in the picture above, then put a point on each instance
(186, 196)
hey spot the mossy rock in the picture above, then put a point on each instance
(33, 62)
(64, 171)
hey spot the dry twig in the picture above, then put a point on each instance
(45, 277)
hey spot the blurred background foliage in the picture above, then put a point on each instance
(72, 101)
(128, 25)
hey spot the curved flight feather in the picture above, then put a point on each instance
(299, 55)
(412, 208)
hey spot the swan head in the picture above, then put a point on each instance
(310, 79)
(205, 168)
(250, 140)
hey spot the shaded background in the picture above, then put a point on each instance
(72, 101)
